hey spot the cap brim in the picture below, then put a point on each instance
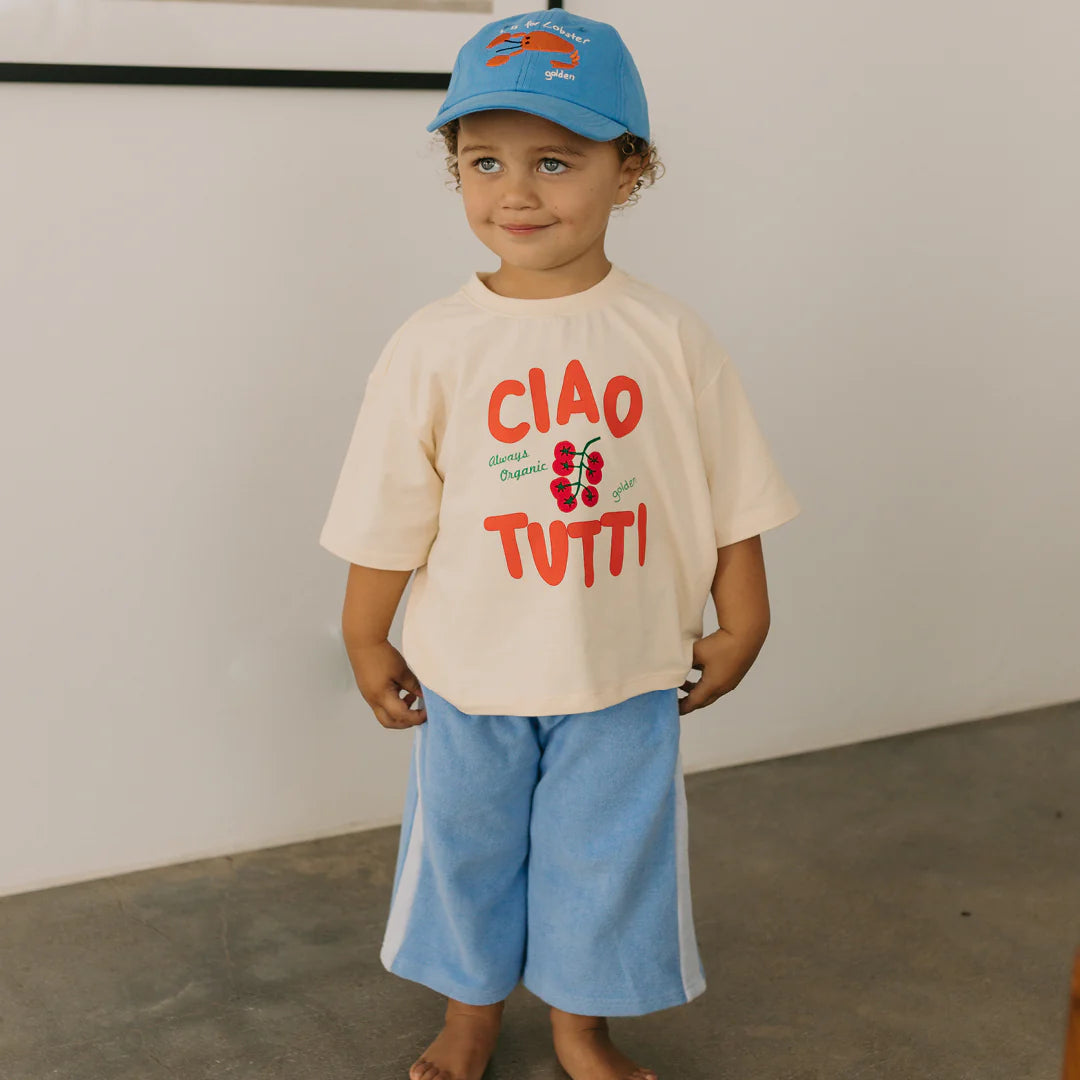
(567, 113)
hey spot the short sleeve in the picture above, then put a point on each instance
(746, 489)
(384, 512)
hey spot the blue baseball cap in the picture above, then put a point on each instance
(571, 70)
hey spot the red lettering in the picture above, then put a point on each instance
(506, 525)
(553, 570)
(575, 379)
(575, 398)
(615, 386)
(552, 567)
(495, 425)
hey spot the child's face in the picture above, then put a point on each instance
(511, 180)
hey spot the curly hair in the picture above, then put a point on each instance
(627, 145)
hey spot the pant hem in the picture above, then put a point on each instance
(436, 980)
(609, 1007)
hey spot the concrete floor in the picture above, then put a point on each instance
(904, 908)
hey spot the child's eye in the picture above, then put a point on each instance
(478, 163)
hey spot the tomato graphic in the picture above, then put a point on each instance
(567, 459)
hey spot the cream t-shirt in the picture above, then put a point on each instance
(560, 473)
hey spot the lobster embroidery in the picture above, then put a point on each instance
(538, 41)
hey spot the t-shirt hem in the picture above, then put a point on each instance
(758, 521)
(563, 703)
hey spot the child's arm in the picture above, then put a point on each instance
(371, 598)
(741, 596)
(739, 590)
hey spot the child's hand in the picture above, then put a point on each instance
(381, 674)
(723, 658)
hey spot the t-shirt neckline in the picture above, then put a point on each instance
(584, 300)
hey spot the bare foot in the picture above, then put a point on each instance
(462, 1049)
(586, 1052)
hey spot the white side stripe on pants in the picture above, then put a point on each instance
(410, 871)
(693, 983)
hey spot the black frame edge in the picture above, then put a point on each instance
(153, 75)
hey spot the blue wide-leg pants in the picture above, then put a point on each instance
(550, 850)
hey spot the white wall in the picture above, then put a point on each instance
(874, 206)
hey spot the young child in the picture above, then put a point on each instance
(565, 456)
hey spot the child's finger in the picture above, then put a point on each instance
(689, 703)
(411, 683)
(384, 717)
(702, 693)
(410, 697)
(392, 711)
